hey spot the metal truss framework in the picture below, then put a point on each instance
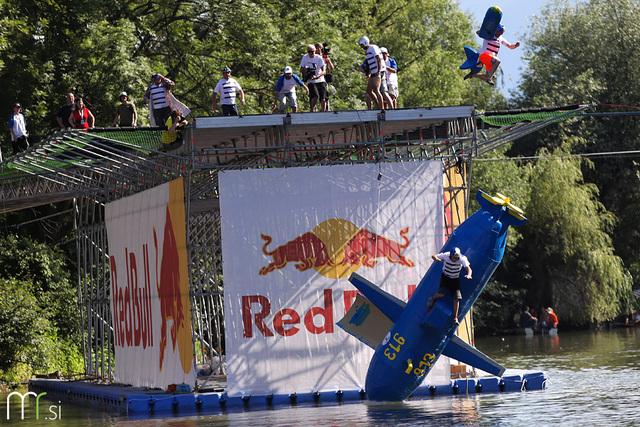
(96, 168)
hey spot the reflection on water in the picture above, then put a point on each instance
(594, 380)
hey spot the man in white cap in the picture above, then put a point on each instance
(377, 70)
(286, 89)
(450, 279)
(126, 112)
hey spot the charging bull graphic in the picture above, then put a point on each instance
(366, 246)
(173, 289)
(335, 248)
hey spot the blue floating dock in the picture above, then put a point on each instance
(136, 400)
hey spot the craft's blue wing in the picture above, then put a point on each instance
(472, 58)
(472, 63)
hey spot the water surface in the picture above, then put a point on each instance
(594, 380)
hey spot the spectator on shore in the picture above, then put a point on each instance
(172, 137)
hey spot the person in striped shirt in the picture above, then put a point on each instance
(157, 96)
(450, 279)
(488, 56)
(227, 88)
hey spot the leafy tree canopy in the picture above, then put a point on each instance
(97, 49)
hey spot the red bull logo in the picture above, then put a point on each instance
(335, 249)
(173, 283)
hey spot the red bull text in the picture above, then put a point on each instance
(132, 319)
(260, 318)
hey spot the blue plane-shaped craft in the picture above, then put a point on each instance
(417, 336)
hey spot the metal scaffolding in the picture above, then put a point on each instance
(103, 165)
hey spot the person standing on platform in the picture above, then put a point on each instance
(391, 76)
(323, 49)
(227, 87)
(376, 70)
(18, 129)
(450, 279)
(312, 68)
(157, 96)
(65, 111)
(286, 89)
(126, 112)
(81, 117)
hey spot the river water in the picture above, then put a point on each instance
(594, 380)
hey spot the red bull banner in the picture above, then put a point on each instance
(291, 238)
(150, 304)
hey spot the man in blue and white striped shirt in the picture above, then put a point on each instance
(227, 87)
(157, 96)
(450, 279)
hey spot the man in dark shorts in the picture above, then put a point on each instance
(314, 66)
(450, 280)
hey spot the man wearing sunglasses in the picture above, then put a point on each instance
(313, 66)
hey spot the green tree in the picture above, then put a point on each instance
(570, 253)
(21, 321)
(588, 52)
(97, 49)
(45, 270)
(29, 342)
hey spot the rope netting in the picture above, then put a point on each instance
(509, 119)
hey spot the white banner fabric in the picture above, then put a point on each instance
(150, 304)
(291, 238)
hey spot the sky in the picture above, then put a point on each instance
(516, 20)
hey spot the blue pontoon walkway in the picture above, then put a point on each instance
(213, 399)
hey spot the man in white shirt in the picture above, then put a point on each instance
(392, 76)
(227, 87)
(314, 66)
(450, 279)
